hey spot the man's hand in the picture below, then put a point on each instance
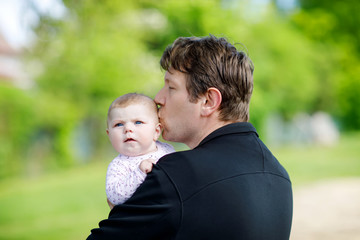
(146, 165)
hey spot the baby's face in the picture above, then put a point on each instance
(133, 130)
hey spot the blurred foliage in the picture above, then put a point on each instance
(335, 25)
(305, 59)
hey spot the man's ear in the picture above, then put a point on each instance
(211, 101)
(157, 131)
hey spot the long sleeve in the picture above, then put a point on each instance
(124, 176)
(153, 212)
(122, 179)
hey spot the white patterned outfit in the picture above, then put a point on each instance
(124, 176)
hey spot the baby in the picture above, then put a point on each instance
(133, 128)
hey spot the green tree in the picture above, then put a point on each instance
(89, 58)
(16, 124)
(102, 49)
(335, 25)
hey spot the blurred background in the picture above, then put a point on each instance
(62, 63)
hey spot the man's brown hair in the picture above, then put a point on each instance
(213, 62)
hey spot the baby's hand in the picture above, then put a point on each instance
(110, 204)
(146, 165)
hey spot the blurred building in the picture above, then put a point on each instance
(11, 66)
(318, 128)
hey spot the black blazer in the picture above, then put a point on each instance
(229, 187)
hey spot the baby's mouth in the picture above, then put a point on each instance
(129, 140)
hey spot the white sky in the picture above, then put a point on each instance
(16, 17)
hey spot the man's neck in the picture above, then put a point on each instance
(205, 130)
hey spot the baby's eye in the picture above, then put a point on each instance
(119, 125)
(138, 122)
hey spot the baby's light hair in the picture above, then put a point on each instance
(133, 98)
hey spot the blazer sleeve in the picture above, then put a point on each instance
(153, 212)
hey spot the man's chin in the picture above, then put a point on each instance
(165, 135)
(168, 137)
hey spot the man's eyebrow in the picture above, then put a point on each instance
(169, 80)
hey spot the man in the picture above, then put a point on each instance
(229, 185)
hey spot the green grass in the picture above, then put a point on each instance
(306, 164)
(63, 205)
(68, 204)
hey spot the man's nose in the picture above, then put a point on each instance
(159, 99)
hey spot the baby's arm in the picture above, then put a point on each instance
(146, 165)
(121, 182)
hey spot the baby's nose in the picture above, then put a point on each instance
(128, 127)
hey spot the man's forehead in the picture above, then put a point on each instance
(174, 76)
(168, 76)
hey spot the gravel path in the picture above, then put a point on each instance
(327, 210)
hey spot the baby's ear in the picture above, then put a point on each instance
(157, 131)
(107, 132)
